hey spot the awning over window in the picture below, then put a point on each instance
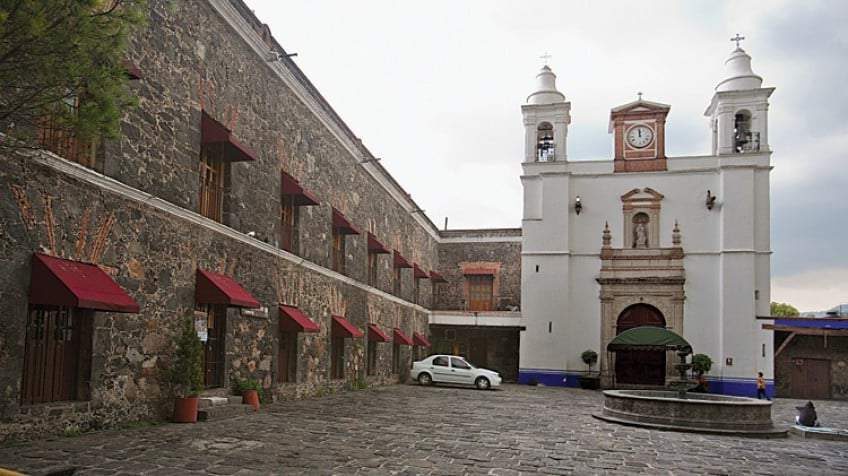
(375, 334)
(341, 223)
(302, 197)
(478, 272)
(374, 245)
(214, 288)
(400, 261)
(420, 339)
(437, 278)
(293, 319)
(216, 134)
(60, 282)
(401, 338)
(345, 328)
(419, 273)
(648, 338)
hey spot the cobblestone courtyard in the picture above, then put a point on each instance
(414, 430)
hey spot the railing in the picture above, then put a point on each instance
(545, 154)
(747, 141)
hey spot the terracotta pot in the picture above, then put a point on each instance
(185, 410)
(250, 397)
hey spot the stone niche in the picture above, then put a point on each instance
(628, 276)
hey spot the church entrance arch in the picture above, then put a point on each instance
(640, 367)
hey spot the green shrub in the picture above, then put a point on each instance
(589, 357)
(701, 363)
(186, 373)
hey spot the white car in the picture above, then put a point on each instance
(453, 369)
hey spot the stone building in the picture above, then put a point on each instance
(646, 239)
(235, 197)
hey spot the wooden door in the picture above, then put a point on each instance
(640, 367)
(213, 356)
(810, 378)
(211, 185)
(480, 292)
(287, 357)
(338, 251)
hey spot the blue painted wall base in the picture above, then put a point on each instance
(726, 386)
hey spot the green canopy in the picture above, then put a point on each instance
(648, 338)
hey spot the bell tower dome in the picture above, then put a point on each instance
(738, 111)
(546, 118)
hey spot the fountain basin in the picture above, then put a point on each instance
(699, 412)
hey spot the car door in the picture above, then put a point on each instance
(461, 371)
(440, 369)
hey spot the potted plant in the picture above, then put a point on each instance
(249, 390)
(701, 364)
(186, 373)
(590, 380)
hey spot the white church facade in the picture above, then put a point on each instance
(647, 239)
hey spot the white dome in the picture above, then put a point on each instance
(546, 91)
(738, 73)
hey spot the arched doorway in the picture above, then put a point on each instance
(640, 367)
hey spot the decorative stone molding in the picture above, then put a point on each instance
(639, 203)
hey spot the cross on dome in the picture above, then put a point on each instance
(737, 39)
(640, 95)
(545, 57)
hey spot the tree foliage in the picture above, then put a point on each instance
(56, 52)
(784, 310)
(589, 357)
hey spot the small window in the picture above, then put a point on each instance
(459, 363)
(57, 355)
(338, 251)
(57, 137)
(480, 292)
(287, 358)
(337, 357)
(372, 358)
(212, 170)
(288, 224)
(396, 282)
(395, 358)
(373, 263)
(417, 289)
(441, 361)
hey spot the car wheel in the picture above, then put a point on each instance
(425, 379)
(482, 383)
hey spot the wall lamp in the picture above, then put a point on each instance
(710, 202)
(578, 205)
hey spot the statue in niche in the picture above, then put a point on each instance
(640, 230)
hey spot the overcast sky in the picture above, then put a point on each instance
(435, 88)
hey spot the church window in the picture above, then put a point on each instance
(640, 230)
(545, 142)
(744, 139)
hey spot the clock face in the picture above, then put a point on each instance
(640, 136)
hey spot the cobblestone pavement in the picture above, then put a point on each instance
(407, 429)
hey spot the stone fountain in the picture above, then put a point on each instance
(676, 409)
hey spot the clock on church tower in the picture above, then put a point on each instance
(639, 131)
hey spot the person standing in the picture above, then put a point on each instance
(761, 387)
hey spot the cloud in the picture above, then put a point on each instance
(805, 291)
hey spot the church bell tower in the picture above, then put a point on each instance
(546, 118)
(738, 111)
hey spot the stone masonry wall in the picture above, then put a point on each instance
(813, 347)
(454, 256)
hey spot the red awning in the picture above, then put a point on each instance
(401, 338)
(214, 133)
(344, 327)
(342, 224)
(374, 245)
(400, 261)
(419, 273)
(214, 288)
(301, 196)
(293, 319)
(60, 282)
(478, 272)
(420, 339)
(437, 278)
(375, 334)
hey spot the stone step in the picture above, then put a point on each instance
(221, 412)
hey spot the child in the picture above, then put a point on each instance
(761, 387)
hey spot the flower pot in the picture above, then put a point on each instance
(185, 410)
(590, 383)
(250, 397)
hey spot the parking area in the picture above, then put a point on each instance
(407, 429)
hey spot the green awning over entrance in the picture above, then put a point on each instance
(648, 338)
